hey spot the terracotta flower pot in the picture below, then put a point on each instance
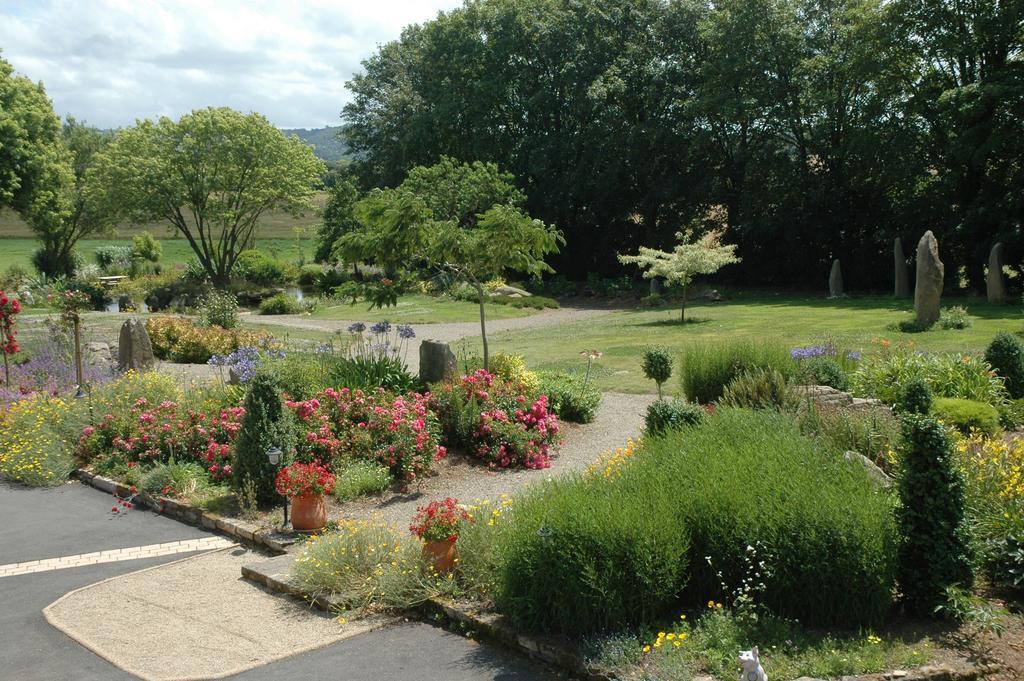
(442, 555)
(309, 513)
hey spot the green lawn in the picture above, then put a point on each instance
(420, 309)
(852, 322)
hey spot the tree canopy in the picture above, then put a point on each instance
(818, 128)
(459, 218)
(212, 174)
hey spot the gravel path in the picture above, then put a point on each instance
(446, 332)
(619, 418)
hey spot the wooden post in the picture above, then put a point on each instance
(79, 378)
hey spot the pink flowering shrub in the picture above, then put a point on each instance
(496, 420)
(151, 433)
(397, 431)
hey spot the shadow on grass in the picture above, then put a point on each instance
(675, 322)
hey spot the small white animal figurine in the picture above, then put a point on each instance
(750, 661)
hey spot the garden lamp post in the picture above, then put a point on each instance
(274, 457)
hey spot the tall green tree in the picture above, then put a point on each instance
(432, 224)
(338, 216)
(36, 173)
(87, 216)
(212, 174)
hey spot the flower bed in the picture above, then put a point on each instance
(495, 420)
(397, 431)
(164, 431)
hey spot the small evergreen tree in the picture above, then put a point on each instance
(265, 425)
(1006, 355)
(935, 551)
(915, 398)
(657, 366)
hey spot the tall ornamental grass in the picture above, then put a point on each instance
(706, 368)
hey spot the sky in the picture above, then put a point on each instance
(112, 62)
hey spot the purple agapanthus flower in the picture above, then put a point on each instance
(405, 332)
(812, 351)
(358, 327)
(381, 327)
(323, 349)
(853, 356)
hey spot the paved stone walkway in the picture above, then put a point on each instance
(114, 556)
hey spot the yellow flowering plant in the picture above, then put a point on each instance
(32, 450)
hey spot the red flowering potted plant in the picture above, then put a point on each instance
(438, 524)
(306, 484)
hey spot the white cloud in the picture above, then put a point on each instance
(110, 62)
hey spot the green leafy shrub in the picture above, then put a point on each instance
(218, 308)
(568, 396)
(934, 552)
(673, 414)
(1011, 414)
(828, 534)
(758, 388)
(259, 268)
(532, 302)
(513, 368)
(955, 317)
(174, 479)
(303, 375)
(281, 303)
(1006, 355)
(823, 371)
(114, 258)
(178, 339)
(265, 425)
(579, 559)
(966, 414)
(657, 366)
(146, 247)
(369, 373)
(309, 275)
(1005, 557)
(706, 368)
(652, 300)
(884, 374)
(915, 397)
(359, 477)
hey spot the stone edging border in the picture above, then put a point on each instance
(494, 627)
(248, 533)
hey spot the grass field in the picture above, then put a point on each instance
(276, 235)
(18, 251)
(853, 322)
(273, 225)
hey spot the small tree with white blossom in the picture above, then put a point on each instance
(690, 257)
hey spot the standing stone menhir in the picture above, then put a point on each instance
(928, 287)
(835, 280)
(134, 349)
(901, 287)
(995, 286)
(437, 362)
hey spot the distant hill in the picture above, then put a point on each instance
(326, 143)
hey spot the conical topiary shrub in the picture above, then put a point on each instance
(266, 424)
(935, 551)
